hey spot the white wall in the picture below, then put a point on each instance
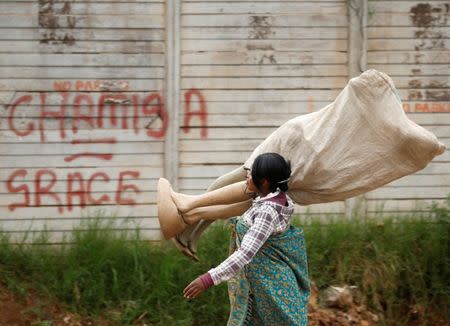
(409, 40)
(245, 68)
(77, 59)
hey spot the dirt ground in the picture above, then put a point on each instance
(345, 311)
(32, 309)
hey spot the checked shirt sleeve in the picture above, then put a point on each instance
(263, 226)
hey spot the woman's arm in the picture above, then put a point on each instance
(263, 226)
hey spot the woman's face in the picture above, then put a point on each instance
(250, 185)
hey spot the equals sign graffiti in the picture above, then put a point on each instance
(101, 156)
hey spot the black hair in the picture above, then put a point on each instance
(272, 167)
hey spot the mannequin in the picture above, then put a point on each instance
(359, 142)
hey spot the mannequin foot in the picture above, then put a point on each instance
(184, 249)
(182, 201)
(192, 216)
(171, 221)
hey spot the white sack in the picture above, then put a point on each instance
(361, 141)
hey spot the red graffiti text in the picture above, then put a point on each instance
(432, 107)
(79, 110)
(80, 189)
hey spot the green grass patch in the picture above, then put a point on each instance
(396, 263)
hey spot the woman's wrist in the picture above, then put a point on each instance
(206, 280)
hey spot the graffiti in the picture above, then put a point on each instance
(36, 114)
(267, 58)
(91, 85)
(201, 112)
(102, 156)
(77, 109)
(417, 83)
(55, 18)
(260, 27)
(424, 15)
(429, 20)
(428, 107)
(429, 95)
(259, 47)
(79, 189)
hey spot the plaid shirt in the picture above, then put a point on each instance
(266, 217)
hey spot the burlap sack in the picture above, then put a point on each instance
(361, 141)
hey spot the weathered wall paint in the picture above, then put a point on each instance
(84, 119)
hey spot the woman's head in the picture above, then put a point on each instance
(269, 172)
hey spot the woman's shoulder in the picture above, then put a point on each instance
(281, 205)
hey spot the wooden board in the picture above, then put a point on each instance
(408, 44)
(410, 193)
(434, 70)
(54, 161)
(46, 85)
(82, 47)
(62, 173)
(263, 57)
(396, 20)
(402, 6)
(82, 73)
(54, 136)
(88, 34)
(408, 57)
(91, 198)
(82, 8)
(274, 20)
(406, 32)
(263, 83)
(129, 147)
(89, 21)
(91, 60)
(266, 45)
(275, 33)
(77, 212)
(266, 70)
(269, 8)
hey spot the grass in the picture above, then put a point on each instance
(396, 264)
(119, 275)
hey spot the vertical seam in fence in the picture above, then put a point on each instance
(172, 90)
(357, 63)
(357, 47)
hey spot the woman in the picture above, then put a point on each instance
(268, 268)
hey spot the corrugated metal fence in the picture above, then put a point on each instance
(101, 98)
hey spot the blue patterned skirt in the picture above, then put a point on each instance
(273, 289)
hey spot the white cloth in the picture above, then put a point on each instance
(361, 141)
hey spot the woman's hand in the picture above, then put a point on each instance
(194, 289)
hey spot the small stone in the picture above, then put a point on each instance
(338, 297)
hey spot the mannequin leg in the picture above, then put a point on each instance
(212, 213)
(230, 194)
(189, 237)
